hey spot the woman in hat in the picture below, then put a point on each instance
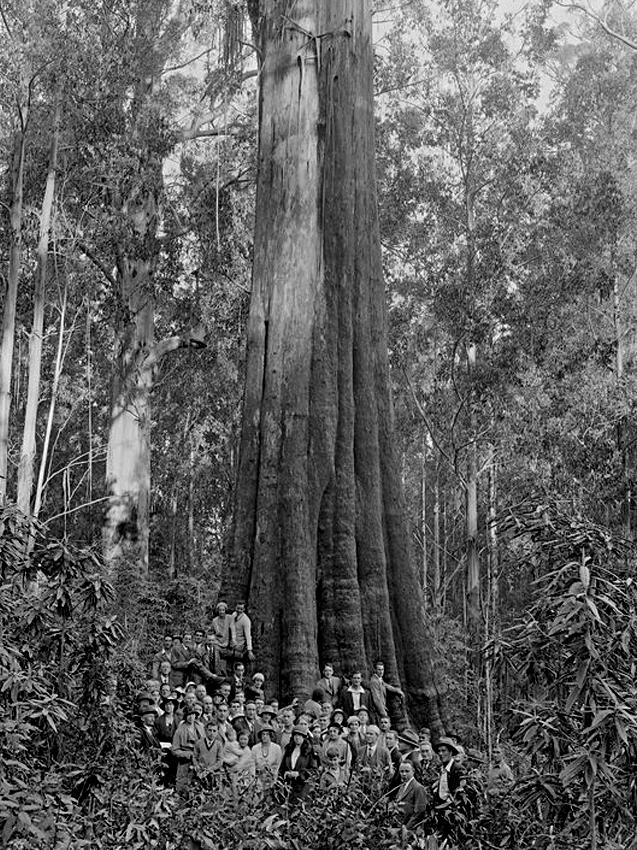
(335, 740)
(267, 755)
(183, 748)
(298, 763)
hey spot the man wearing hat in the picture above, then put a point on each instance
(449, 786)
(149, 740)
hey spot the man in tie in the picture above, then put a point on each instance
(411, 796)
(374, 758)
(329, 684)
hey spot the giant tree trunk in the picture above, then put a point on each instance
(10, 300)
(320, 546)
(27, 454)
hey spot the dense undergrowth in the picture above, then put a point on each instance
(72, 773)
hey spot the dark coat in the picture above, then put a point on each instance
(347, 702)
(305, 765)
(163, 731)
(413, 803)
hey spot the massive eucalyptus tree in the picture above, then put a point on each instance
(320, 546)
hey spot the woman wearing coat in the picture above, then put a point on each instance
(298, 764)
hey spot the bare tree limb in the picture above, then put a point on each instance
(432, 434)
(603, 23)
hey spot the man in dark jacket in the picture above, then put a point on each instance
(411, 796)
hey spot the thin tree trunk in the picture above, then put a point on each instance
(11, 298)
(191, 506)
(57, 371)
(492, 620)
(328, 565)
(621, 427)
(474, 614)
(172, 558)
(423, 522)
(436, 579)
(27, 455)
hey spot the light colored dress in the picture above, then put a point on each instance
(267, 762)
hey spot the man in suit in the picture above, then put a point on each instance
(379, 689)
(355, 696)
(411, 796)
(374, 760)
(329, 684)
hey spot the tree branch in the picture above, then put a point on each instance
(603, 23)
(434, 440)
(97, 263)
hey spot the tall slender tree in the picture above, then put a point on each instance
(319, 542)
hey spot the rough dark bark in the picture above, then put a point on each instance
(319, 546)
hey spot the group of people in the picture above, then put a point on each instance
(211, 720)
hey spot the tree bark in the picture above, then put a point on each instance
(11, 298)
(319, 542)
(27, 454)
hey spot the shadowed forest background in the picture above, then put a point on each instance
(507, 199)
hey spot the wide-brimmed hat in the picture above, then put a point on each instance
(362, 708)
(335, 724)
(299, 730)
(170, 698)
(448, 742)
(408, 737)
(267, 709)
(266, 728)
(144, 711)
